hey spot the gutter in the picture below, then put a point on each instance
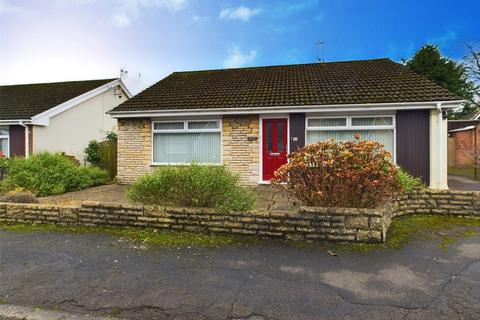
(15, 122)
(276, 109)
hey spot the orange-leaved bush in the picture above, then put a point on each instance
(340, 174)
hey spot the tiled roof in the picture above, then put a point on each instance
(27, 100)
(350, 82)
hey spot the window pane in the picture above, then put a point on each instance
(168, 126)
(385, 137)
(269, 136)
(3, 147)
(280, 128)
(187, 147)
(204, 125)
(380, 121)
(332, 122)
(4, 131)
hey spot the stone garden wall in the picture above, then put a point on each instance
(306, 224)
(334, 224)
(449, 202)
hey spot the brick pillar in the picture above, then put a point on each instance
(134, 151)
(240, 147)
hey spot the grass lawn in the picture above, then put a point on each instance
(464, 172)
(443, 229)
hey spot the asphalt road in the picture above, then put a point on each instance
(101, 275)
(463, 183)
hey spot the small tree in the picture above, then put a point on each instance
(92, 153)
(472, 63)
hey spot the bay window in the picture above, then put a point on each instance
(343, 128)
(4, 141)
(184, 142)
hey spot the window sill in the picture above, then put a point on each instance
(159, 164)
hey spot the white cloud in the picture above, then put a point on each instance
(236, 58)
(121, 20)
(290, 7)
(200, 19)
(6, 7)
(449, 37)
(126, 11)
(240, 13)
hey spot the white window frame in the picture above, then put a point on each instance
(186, 130)
(7, 136)
(349, 127)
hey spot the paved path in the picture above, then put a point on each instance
(101, 275)
(109, 193)
(463, 183)
(269, 198)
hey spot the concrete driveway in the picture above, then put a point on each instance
(463, 183)
(101, 275)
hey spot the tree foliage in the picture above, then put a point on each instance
(429, 62)
(92, 153)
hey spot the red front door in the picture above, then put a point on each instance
(274, 146)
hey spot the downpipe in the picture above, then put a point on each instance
(27, 138)
(442, 147)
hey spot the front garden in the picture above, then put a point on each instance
(347, 191)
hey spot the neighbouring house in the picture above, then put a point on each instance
(249, 119)
(464, 142)
(57, 117)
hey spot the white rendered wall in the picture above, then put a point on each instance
(71, 130)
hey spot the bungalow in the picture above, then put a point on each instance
(57, 117)
(249, 119)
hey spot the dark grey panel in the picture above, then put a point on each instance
(17, 141)
(297, 131)
(413, 142)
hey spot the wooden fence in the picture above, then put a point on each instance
(108, 153)
(451, 152)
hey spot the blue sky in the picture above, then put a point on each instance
(60, 40)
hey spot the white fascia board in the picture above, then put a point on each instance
(43, 119)
(463, 129)
(125, 89)
(316, 108)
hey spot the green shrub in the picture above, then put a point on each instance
(92, 153)
(47, 174)
(408, 182)
(111, 136)
(192, 186)
(4, 161)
